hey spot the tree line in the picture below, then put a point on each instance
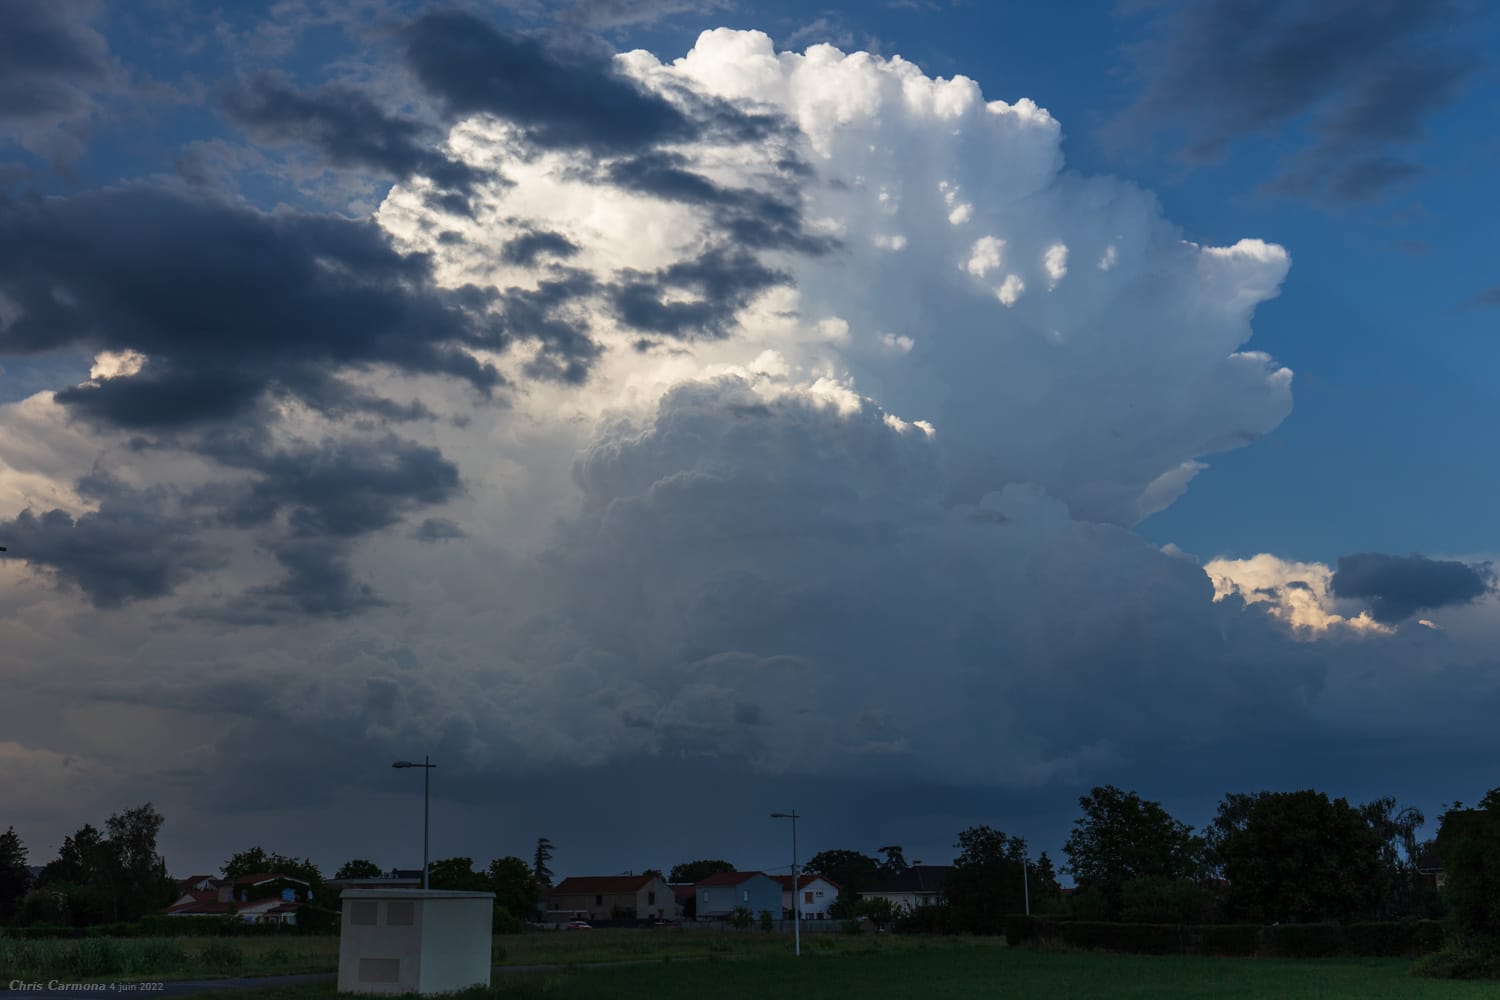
(117, 876)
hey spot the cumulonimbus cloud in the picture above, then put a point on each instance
(836, 397)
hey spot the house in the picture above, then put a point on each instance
(818, 893)
(720, 895)
(264, 897)
(613, 897)
(919, 885)
(1429, 866)
(391, 881)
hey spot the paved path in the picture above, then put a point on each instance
(146, 990)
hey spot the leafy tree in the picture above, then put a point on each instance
(457, 874)
(514, 884)
(1296, 857)
(358, 868)
(86, 875)
(142, 883)
(321, 910)
(1122, 836)
(1468, 842)
(1156, 899)
(258, 861)
(895, 859)
(1396, 830)
(986, 881)
(879, 910)
(697, 871)
(1046, 891)
(539, 869)
(851, 871)
(15, 876)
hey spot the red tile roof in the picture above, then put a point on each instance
(260, 877)
(600, 885)
(730, 878)
(803, 880)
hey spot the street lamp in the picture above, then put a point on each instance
(427, 765)
(796, 889)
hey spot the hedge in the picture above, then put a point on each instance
(158, 925)
(1231, 940)
(1284, 940)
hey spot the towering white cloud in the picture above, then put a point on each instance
(881, 389)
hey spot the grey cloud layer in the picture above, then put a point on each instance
(1397, 587)
(1369, 75)
(54, 66)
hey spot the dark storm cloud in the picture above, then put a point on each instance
(562, 99)
(546, 314)
(341, 489)
(437, 529)
(1368, 72)
(749, 218)
(603, 14)
(318, 582)
(1397, 587)
(529, 246)
(133, 547)
(349, 128)
(52, 63)
(723, 281)
(226, 302)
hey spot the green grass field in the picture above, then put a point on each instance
(875, 972)
(694, 964)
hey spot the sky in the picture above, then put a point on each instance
(668, 412)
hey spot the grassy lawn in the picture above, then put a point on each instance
(692, 964)
(105, 960)
(873, 970)
(111, 959)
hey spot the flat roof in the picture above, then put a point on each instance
(395, 893)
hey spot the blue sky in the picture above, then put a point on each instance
(381, 374)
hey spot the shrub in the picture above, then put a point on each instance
(1428, 936)
(1239, 940)
(766, 922)
(97, 957)
(741, 917)
(853, 926)
(1021, 929)
(1381, 939)
(158, 956)
(222, 956)
(1307, 940)
(1474, 959)
(1145, 939)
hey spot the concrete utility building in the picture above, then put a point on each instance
(414, 940)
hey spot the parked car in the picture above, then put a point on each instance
(577, 925)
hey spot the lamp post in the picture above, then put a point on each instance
(796, 889)
(427, 765)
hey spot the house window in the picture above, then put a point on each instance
(807, 897)
(745, 893)
(400, 913)
(820, 895)
(362, 913)
(598, 900)
(650, 899)
(705, 895)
